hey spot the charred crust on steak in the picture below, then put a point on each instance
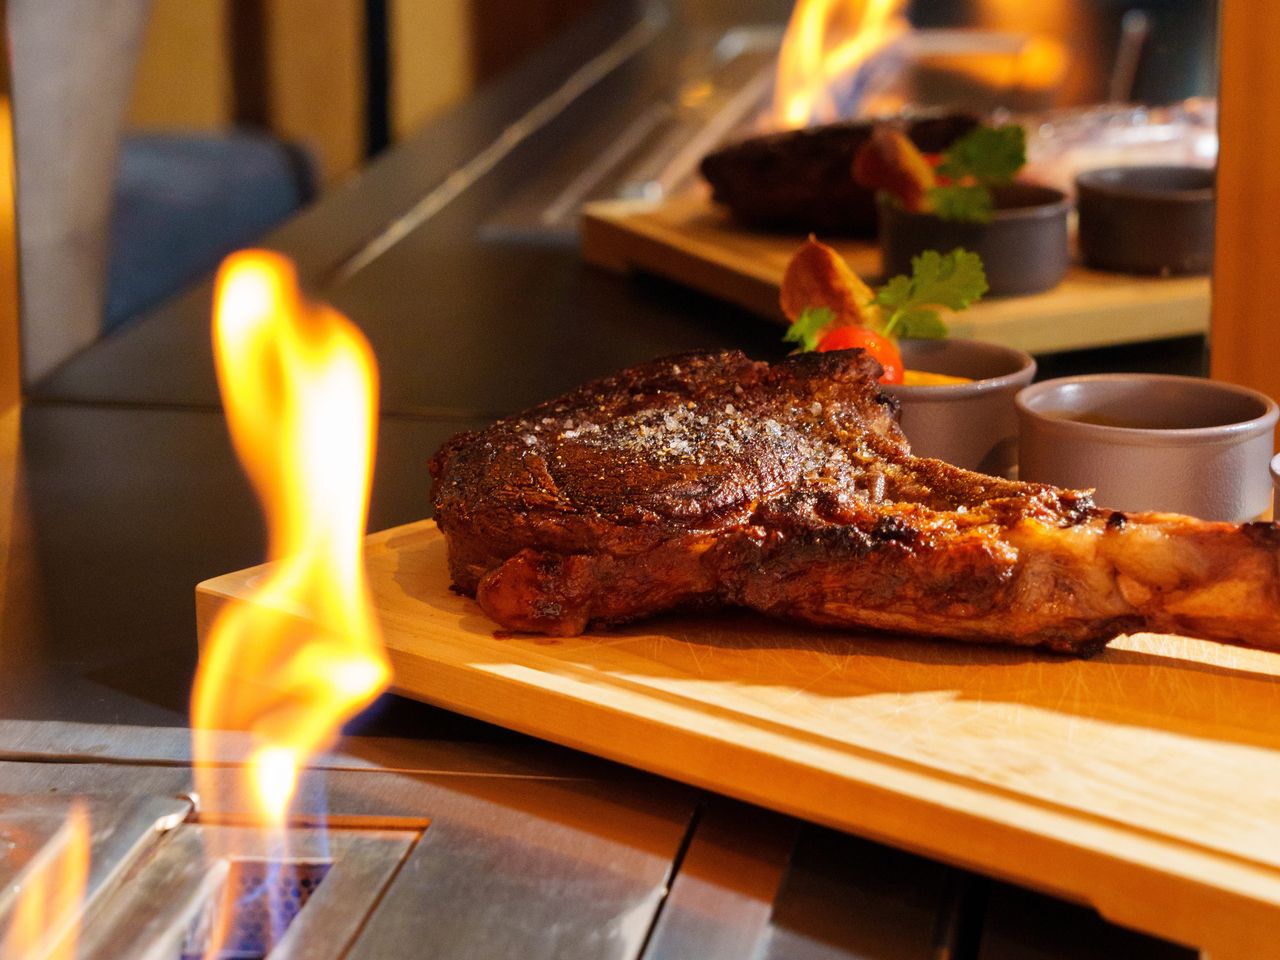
(894, 530)
(1263, 532)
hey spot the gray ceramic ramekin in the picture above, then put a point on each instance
(1275, 481)
(1151, 442)
(972, 425)
(1147, 219)
(1023, 249)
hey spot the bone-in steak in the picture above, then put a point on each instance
(709, 480)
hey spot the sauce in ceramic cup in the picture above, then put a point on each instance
(1151, 442)
(972, 425)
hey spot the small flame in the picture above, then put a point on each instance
(826, 40)
(44, 922)
(299, 386)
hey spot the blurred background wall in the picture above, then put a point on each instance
(184, 76)
(298, 67)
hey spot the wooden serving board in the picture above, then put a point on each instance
(690, 240)
(1145, 781)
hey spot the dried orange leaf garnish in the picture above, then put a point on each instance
(817, 276)
(892, 163)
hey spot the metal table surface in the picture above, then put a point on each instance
(130, 495)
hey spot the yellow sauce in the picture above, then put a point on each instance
(922, 378)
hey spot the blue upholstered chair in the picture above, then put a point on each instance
(183, 202)
(108, 224)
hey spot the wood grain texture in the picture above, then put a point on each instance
(1145, 781)
(1245, 339)
(689, 240)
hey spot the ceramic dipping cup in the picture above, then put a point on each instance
(1151, 442)
(972, 425)
(1275, 481)
(1023, 249)
(1156, 220)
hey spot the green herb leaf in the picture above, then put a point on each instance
(952, 280)
(967, 204)
(894, 293)
(988, 154)
(922, 323)
(808, 328)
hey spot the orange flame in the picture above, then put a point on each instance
(43, 923)
(825, 41)
(299, 386)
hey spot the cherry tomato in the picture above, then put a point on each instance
(883, 349)
(935, 160)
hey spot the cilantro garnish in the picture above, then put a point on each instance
(991, 155)
(953, 280)
(908, 306)
(807, 329)
(984, 157)
(969, 204)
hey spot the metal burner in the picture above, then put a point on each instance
(257, 903)
(154, 894)
(428, 848)
(311, 900)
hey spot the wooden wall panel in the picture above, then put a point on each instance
(184, 70)
(432, 66)
(315, 56)
(297, 67)
(16, 553)
(10, 317)
(1245, 335)
(292, 67)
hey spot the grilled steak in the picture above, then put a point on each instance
(803, 179)
(708, 480)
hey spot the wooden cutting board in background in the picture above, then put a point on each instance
(690, 240)
(1145, 781)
